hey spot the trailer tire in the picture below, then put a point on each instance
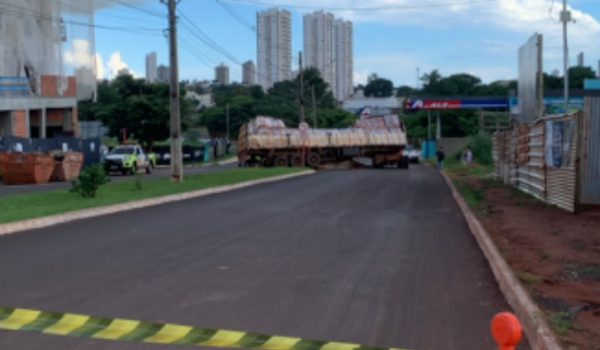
(296, 160)
(406, 162)
(313, 160)
(281, 161)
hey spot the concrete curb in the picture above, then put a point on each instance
(205, 165)
(25, 225)
(534, 325)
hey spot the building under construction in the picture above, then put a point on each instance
(47, 64)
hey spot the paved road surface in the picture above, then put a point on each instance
(377, 257)
(156, 174)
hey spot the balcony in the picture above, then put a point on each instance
(14, 86)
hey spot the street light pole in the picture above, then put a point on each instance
(176, 152)
(565, 17)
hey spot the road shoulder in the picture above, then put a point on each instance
(535, 327)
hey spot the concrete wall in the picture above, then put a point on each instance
(453, 144)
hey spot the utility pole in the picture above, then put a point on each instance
(428, 133)
(176, 152)
(438, 126)
(302, 119)
(228, 121)
(565, 17)
(314, 108)
(418, 76)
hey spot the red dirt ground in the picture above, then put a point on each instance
(554, 253)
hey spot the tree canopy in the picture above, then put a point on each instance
(379, 88)
(143, 109)
(280, 101)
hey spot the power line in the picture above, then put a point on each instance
(36, 15)
(236, 16)
(139, 8)
(380, 8)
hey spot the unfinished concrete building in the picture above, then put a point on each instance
(47, 64)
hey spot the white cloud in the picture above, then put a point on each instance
(361, 77)
(115, 64)
(100, 70)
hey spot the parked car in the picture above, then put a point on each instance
(128, 160)
(413, 154)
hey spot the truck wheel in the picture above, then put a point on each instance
(281, 161)
(133, 170)
(406, 162)
(296, 160)
(313, 160)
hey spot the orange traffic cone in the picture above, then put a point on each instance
(506, 330)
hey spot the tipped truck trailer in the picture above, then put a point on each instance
(266, 141)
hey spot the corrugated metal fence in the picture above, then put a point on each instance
(590, 158)
(541, 159)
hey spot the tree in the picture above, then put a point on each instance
(553, 83)
(578, 74)
(141, 108)
(405, 91)
(379, 88)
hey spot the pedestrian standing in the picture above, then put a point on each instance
(440, 158)
(468, 156)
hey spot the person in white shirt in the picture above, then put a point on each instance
(468, 156)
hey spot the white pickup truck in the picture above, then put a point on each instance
(128, 160)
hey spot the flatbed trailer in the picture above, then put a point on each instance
(280, 146)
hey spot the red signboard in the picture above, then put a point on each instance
(433, 104)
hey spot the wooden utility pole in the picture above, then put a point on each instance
(314, 108)
(176, 152)
(302, 119)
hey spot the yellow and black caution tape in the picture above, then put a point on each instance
(73, 325)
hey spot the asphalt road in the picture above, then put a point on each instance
(156, 174)
(380, 257)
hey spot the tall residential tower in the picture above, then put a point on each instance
(151, 67)
(328, 47)
(274, 39)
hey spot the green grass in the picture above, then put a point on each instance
(560, 322)
(472, 196)
(527, 278)
(35, 205)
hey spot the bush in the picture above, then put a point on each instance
(89, 181)
(481, 146)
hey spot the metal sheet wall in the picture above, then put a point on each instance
(590, 158)
(532, 175)
(562, 182)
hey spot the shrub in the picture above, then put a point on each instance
(89, 181)
(481, 146)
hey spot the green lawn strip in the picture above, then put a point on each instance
(35, 205)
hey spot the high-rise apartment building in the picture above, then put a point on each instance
(345, 60)
(151, 71)
(320, 45)
(249, 73)
(274, 42)
(328, 47)
(163, 74)
(580, 60)
(222, 74)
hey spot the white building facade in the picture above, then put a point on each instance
(151, 69)
(274, 43)
(222, 74)
(328, 46)
(344, 87)
(163, 74)
(249, 73)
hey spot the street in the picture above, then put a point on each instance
(377, 257)
(156, 174)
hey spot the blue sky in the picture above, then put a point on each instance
(477, 38)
